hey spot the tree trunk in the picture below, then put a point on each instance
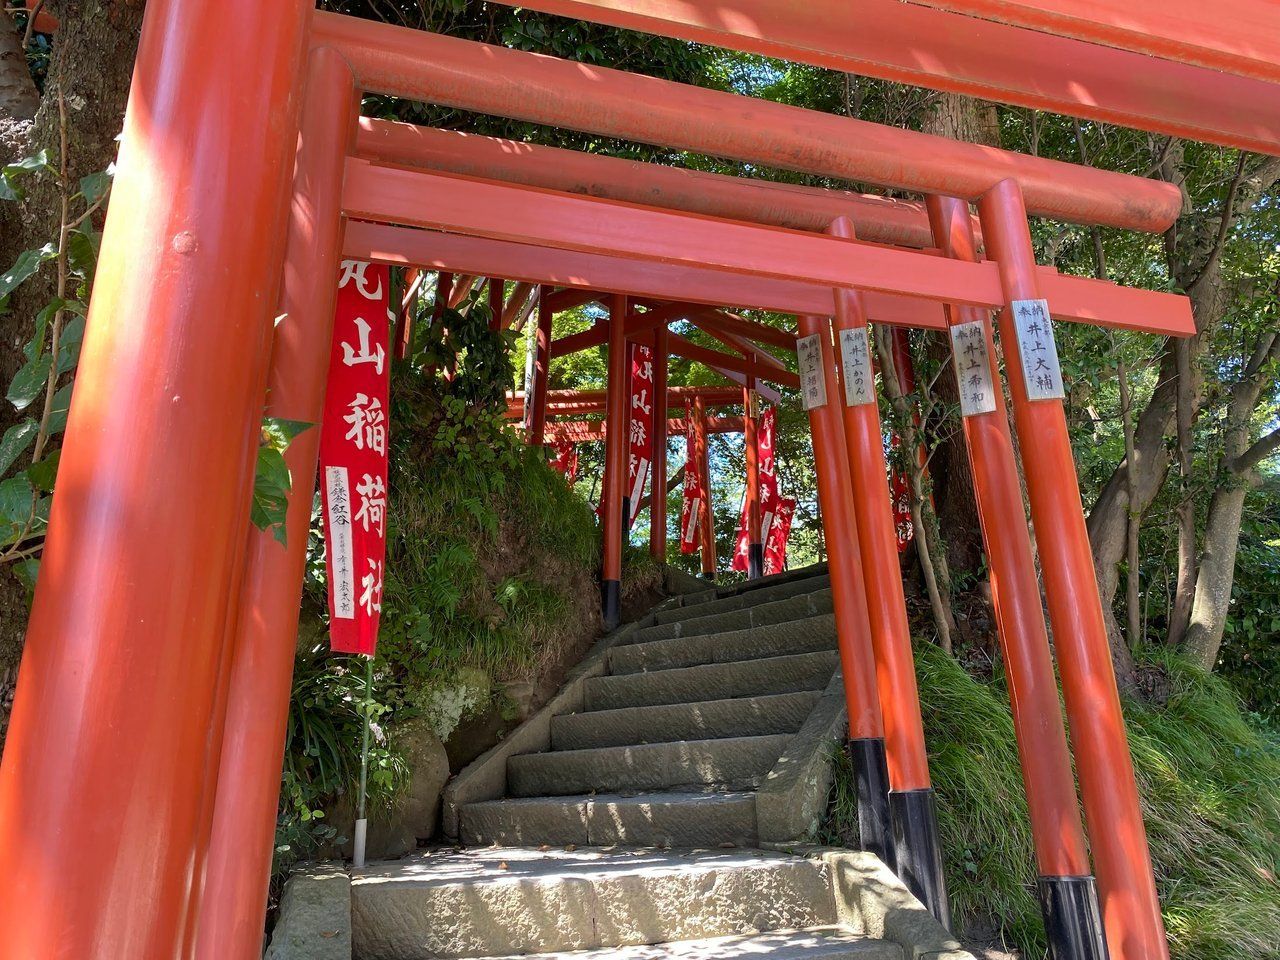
(973, 121)
(1216, 574)
(19, 99)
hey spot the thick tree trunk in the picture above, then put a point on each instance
(19, 99)
(1216, 574)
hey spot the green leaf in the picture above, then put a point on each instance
(29, 381)
(271, 486)
(82, 252)
(11, 174)
(27, 263)
(95, 186)
(43, 474)
(26, 570)
(35, 346)
(61, 405)
(15, 441)
(69, 344)
(279, 433)
(17, 497)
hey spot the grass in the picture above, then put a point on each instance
(1211, 789)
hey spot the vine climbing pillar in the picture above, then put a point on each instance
(1068, 896)
(751, 503)
(916, 845)
(108, 749)
(615, 462)
(848, 594)
(1130, 907)
(234, 899)
(658, 469)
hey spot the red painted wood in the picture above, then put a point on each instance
(994, 61)
(541, 89)
(1240, 37)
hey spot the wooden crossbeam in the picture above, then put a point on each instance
(1240, 37)
(540, 89)
(747, 255)
(932, 48)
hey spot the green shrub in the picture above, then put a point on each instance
(1211, 794)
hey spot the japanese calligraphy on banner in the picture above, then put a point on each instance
(859, 378)
(768, 488)
(566, 461)
(353, 456)
(813, 383)
(640, 432)
(1039, 352)
(775, 551)
(973, 368)
(694, 496)
(900, 496)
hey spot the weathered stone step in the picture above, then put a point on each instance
(748, 598)
(735, 763)
(818, 943)
(751, 643)
(776, 611)
(722, 681)
(507, 901)
(645, 820)
(743, 717)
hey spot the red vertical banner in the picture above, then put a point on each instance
(900, 491)
(566, 461)
(775, 551)
(694, 497)
(768, 488)
(640, 428)
(353, 456)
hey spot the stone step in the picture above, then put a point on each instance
(816, 943)
(751, 643)
(500, 901)
(743, 678)
(644, 820)
(749, 598)
(735, 763)
(776, 611)
(743, 717)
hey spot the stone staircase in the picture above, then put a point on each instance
(655, 808)
(677, 734)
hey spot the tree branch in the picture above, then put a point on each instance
(1264, 447)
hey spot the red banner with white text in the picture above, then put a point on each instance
(640, 430)
(353, 456)
(694, 497)
(765, 434)
(775, 551)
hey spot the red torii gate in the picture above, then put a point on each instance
(121, 875)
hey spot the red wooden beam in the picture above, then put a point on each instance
(540, 89)
(570, 297)
(585, 431)
(880, 219)
(527, 214)
(522, 297)
(994, 61)
(775, 255)
(1073, 298)
(718, 361)
(1240, 37)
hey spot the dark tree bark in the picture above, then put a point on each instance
(959, 118)
(92, 62)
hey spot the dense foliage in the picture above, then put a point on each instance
(1211, 792)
